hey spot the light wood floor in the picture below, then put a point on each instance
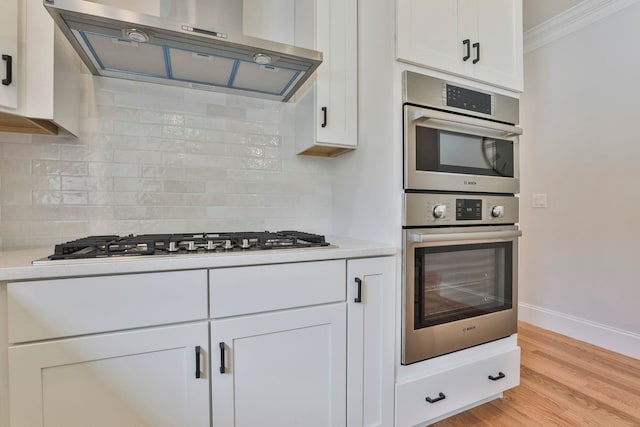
(564, 382)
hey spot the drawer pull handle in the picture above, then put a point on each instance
(359, 297)
(500, 376)
(222, 368)
(197, 361)
(440, 397)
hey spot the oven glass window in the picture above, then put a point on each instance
(444, 151)
(460, 282)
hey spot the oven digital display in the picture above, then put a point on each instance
(467, 99)
(468, 209)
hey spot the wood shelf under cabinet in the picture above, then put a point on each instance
(18, 124)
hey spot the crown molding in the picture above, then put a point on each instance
(585, 13)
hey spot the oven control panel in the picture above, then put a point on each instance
(428, 210)
(468, 209)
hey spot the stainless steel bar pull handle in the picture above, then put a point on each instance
(487, 235)
(478, 124)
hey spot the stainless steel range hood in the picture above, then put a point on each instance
(189, 43)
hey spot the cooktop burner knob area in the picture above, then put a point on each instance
(173, 247)
(191, 246)
(439, 211)
(497, 211)
(245, 244)
(228, 244)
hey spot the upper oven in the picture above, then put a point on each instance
(459, 139)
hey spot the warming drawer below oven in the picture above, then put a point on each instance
(457, 388)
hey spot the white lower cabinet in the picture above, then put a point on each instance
(371, 334)
(428, 399)
(140, 378)
(280, 369)
(293, 344)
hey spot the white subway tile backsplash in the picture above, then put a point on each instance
(46, 197)
(27, 183)
(114, 170)
(14, 197)
(87, 183)
(59, 167)
(29, 151)
(138, 212)
(121, 127)
(156, 159)
(12, 167)
(136, 184)
(172, 186)
(15, 138)
(94, 153)
(137, 156)
(75, 198)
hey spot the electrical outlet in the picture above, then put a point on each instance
(539, 200)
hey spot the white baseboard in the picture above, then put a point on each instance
(624, 342)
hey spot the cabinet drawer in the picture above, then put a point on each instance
(244, 290)
(460, 386)
(47, 309)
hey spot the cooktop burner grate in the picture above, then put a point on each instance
(165, 244)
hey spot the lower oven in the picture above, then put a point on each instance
(460, 283)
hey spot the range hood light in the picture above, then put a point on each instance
(137, 35)
(261, 59)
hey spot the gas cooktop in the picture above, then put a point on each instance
(167, 244)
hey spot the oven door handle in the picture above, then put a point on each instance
(435, 116)
(482, 235)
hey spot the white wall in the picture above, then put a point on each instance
(157, 159)
(580, 257)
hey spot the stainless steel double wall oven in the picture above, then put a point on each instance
(460, 233)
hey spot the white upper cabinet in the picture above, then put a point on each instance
(327, 111)
(9, 51)
(478, 39)
(44, 93)
(326, 107)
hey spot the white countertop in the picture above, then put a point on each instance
(16, 264)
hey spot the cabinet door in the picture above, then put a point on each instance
(280, 369)
(427, 34)
(499, 24)
(9, 52)
(327, 112)
(371, 332)
(140, 378)
(337, 37)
